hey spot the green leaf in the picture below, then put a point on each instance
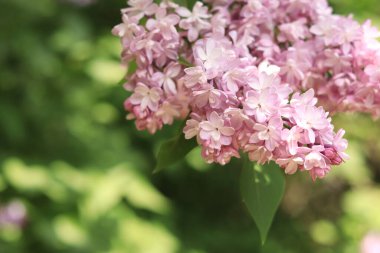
(173, 150)
(262, 188)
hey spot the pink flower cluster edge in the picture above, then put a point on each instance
(248, 75)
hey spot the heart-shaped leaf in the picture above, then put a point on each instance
(262, 188)
(173, 150)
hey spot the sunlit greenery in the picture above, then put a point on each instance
(84, 174)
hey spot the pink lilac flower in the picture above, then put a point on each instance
(266, 76)
(292, 137)
(163, 23)
(310, 118)
(294, 31)
(251, 76)
(314, 160)
(168, 112)
(208, 96)
(340, 145)
(296, 134)
(233, 79)
(327, 28)
(146, 97)
(270, 134)
(196, 21)
(139, 8)
(215, 132)
(373, 72)
(128, 29)
(261, 105)
(291, 164)
(212, 55)
(165, 79)
(191, 129)
(195, 75)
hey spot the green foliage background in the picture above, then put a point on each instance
(85, 174)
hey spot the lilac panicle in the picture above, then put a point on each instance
(257, 74)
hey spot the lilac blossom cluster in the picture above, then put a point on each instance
(333, 54)
(158, 94)
(245, 72)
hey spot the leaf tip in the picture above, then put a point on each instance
(263, 239)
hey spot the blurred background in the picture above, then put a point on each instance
(75, 176)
